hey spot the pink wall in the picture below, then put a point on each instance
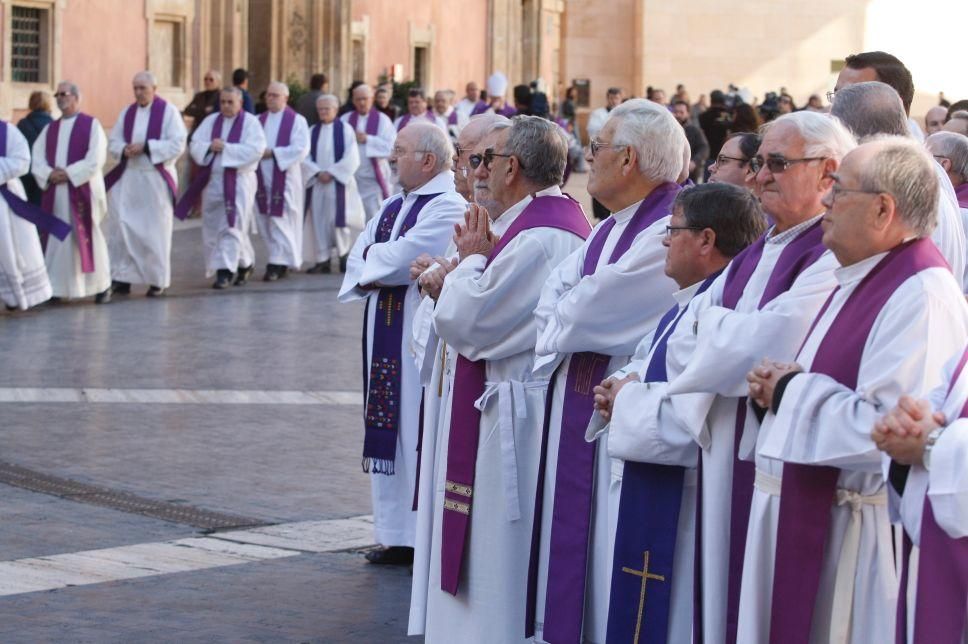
(104, 44)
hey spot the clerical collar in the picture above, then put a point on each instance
(68, 118)
(791, 233)
(847, 275)
(684, 295)
(626, 213)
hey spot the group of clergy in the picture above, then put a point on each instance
(729, 413)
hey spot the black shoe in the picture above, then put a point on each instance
(342, 263)
(11, 308)
(245, 272)
(155, 291)
(283, 271)
(272, 273)
(103, 297)
(120, 288)
(223, 278)
(392, 556)
(53, 300)
(321, 267)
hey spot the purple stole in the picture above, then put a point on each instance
(382, 380)
(798, 255)
(405, 119)
(156, 120)
(339, 148)
(229, 175)
(483, 106)
(571, 515)
(962, 193)
(46, 223)
(372, 127)
(480, 107)
(78, 196)
(278, 199)
(807, 491)
(452, 119)
(469, 383)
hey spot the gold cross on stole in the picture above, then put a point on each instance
(646, 576)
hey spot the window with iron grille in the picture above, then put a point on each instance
(29, 42)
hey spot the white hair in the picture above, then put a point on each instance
(430, 138)
(904, 169)
(823, 135)
(952, 146)
(232, 89)
(71, 87)
(364, 86)
(282, 87)
(147, 77)
(656, 136)
(327, 98)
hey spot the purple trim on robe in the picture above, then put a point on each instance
(229, 175)
(483, 107)
(452, 117)
(406, 118)
(79, 197)
(372, 128)
(278, 194)
(807, 491)
(339, 148)
(46, 223)
(961, 192)
(480, 107)
(469, 380)
(156, 121)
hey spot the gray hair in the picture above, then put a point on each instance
(658, 139)
(430, 138)
(952, 146)
(282, 87)
(71, 87)
(822, 135)
(216, 74)
(541, 148)
(870, 108)
(359, 88)
(328, 98)
(232, 89)
(147, 77)
(903, 169)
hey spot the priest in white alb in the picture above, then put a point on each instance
(375, 135)
(146, 140)
(67, 159)
(280, 197)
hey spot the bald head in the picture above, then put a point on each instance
(277, 94)
(470, 137)
(934, 119)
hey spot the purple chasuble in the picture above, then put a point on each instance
(562, 213)
(798, 255)
(406, 118)
(79, 197)
(339, 148)
(229, 175)
(46, 223)
(382, 379)
(372, 128)
(156, 120)
(962, 193)
(808, 491)
(574, 477)
(277, 199)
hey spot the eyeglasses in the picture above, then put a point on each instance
(459, 150)
(722, 159)
(62, 94)
(487, 159)
(399, 152)
(597, 145)
(830, 96)
(669, 230)
(836, 191)
(776, 165)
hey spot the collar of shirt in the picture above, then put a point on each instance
(509, 215)
(848, 275)
(788, 235)
(626, 213)
(443, 182)
(683, 296)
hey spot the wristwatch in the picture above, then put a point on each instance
(929, 445)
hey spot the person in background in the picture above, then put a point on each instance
(240, 79)
(204, 102)
(745, 119)
(306, 105)
(381, 100)
(30, 126)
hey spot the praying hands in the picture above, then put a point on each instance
(475, 236)
(217, 146)
(903, 431)
(764, 378)
(607, 392)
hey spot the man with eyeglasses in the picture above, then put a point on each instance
(950, 150)
(419, 220)
(206, 101)
(147, 139)
(375, 135)
(761, 305)
(732, 165)
(649, 433)
(820, 560)
(67, 159)
(520, 228)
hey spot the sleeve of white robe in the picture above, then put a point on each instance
(83, 170)
(350, 289)
(948, 479)
(116, 142)
(250, 147)
(17, 161)
(646, 428)
(173, 136)
(38, 159)
(718, 346)
(949, 233)
(381, 143)
(822, 422)
(202, 141)
(298, 148)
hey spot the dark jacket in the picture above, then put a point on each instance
(31, 126)
(715, 124)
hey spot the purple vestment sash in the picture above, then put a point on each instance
(469, 383)
(406, 118)
(382, 380)
(79, 197)
(46, 223)
(483, 106)
(372, 128)
(156, 120)
(339, 148)
(799, 254)
(229, 175)
(275, 207)
(807, 491)
(574, 478)
(452, 118)
(962, 193)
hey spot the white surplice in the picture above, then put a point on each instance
(23, 273)
(709, 355)
(464, 108)
(321, 233)
(64, 257)
(821, 422)
(607, 312)
(489, 315)
(377, 146)
(140, 203)
(229, 247)
(388, 264)
(283, 236)
(950, 235)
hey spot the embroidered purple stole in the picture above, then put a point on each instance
(372, 127)
(574, 477)
(962, 193)
(79, 197)
(807, 491)
(156, 120)
(339, 148)
(406, 118)
(46, 223)
(229, 175)
(469, 383)
(798, 255)
(277, 199)
(382, 380)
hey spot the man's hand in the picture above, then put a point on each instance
(474, 237)
(57, 176)
(134, 149)
(419, 265)
(324, 177)
(217, 145)
(267, 153)
(607, 392)
(764, 377)
(903, 431)
(361, 137)
(432, 283)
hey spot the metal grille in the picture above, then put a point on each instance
(25, 42)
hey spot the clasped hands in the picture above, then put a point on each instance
(431, 282)
(133, 149)
(607, 392)
(903, 431)
(217, 145)
(764, 377)
(57, 176)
